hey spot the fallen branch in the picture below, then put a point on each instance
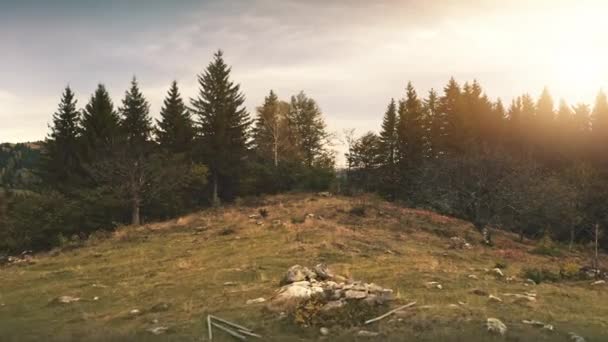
(221, 320)
(238, 331)
(229, 331)
(390, 313)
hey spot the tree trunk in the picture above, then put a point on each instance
(571, 239)
(597, 233)
(215, 200)
(276, 144)
(135, 216)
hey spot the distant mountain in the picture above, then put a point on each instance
(17, 165)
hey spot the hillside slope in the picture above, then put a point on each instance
(213, 261)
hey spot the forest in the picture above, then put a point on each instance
(532, 166)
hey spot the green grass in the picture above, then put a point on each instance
(186, 262)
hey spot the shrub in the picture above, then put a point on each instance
(570, 270)
(298, 219)
(263, 212)
(358, 210)
(501, 264)
(548, 250)
(540, 275)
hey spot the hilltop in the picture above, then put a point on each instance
(213, 261)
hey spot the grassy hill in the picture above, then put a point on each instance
(215, 260)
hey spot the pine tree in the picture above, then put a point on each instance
(599, 122)
(61, 156)
(411, 131)
(450, 109)
(388, 135)
(223, 123)
(175, 130)
(271, 131)
(308, 128)
(437, 123)
(135, 120)
(545, 107)
(136, 128)
(101, 126)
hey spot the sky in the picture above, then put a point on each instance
(351, 56)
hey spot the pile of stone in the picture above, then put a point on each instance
(301, 283)
(24, 258)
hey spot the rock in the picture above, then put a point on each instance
(575, 338)
(324, 331)
(479, 292)
(472, 276)
(340, 279)
(230, 283)
(495, 326)
(256, 301)
(332, 305)
(65, 300)
(323, 272)
(548, 327)
(259, 223)
(599, 282)
(95, 298)
(135, 312)
(160, 307)
(493, 298)
(158, 330)
(355, 294)
(530, 282)
(254, 216)
(324, 194)
(367, 333)
(497, 272)
(433, 284)
(522, 297)
(457, 242)
(297, 273)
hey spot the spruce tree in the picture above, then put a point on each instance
(134, 156)
(224, 125)
(437, 123)
(101, 126)
(450, 109)
(61, 153)
(175, 130)
(599, 121)
(411, 131)
(388, 135)
(135, 119)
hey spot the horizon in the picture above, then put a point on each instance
(333, 56)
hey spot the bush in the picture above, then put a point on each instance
(501, 264)
(548, 250)
(540, 275)
(358, 210)
(298, 219)
(570, 270)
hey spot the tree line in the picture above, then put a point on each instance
(103, 165)
(532, 167)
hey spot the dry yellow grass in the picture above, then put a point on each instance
(187, 262)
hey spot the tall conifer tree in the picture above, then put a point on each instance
(101, 126)
(61, 154)
(175, 130)
(224, 126)
(388, 135)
